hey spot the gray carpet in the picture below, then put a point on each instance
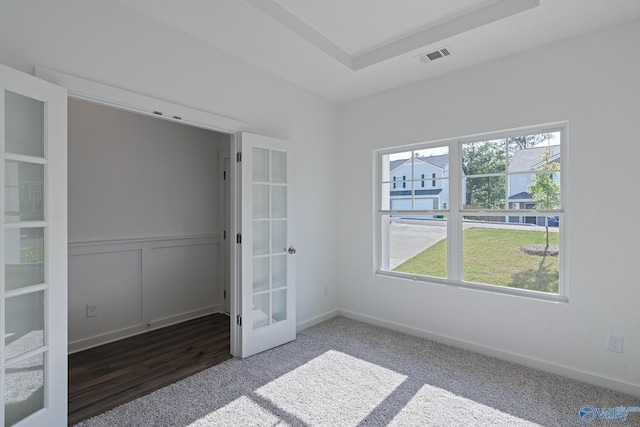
(346, 373)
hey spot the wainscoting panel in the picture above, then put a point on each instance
(110, 280)
(185, 279)
(139, 285)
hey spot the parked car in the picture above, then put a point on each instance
(554, 221)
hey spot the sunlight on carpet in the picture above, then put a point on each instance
(241, 412)
(332, 389)
(435, 406)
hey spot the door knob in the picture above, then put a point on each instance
(292, 250)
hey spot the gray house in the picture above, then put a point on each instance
(420, 183)
(521, 168)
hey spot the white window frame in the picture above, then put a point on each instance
(455, 212)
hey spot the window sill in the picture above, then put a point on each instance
(494, 289)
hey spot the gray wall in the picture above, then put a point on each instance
(145, 219)
(136, 176)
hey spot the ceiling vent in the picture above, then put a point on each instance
(436, 54)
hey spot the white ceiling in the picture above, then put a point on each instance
(358, 26)
(347, 49)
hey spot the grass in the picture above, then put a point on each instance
(491, 256)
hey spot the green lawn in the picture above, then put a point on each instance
(492, 256)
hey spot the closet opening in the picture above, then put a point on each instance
(149, 253)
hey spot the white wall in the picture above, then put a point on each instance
(599, 95)
(107, 42)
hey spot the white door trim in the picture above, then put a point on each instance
(99, 93)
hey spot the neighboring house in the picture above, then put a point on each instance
(421, 182)
(526, 161)
(431, 191)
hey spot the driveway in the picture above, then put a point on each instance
(407, 238)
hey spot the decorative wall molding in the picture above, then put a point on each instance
(141, 284)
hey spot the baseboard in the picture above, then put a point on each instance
(106, 338)
(315, 320)
(520, 359)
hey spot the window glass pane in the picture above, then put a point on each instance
(260, 237)
(525, 150)
(260, 200)
(499, 252)
(24, 389)
(431, 194)
(24, 319)
(24, 191)
(279, 271)
(260, 165)
(279, 166)
(278, 236)
(545, 190)
(399, 164)
(260, 310)
(415, 245)
(484, 157)
(486, 192)
(401, 196)
(430, 162)
(279, 305)
(24, 257)
(24, 125)
(260, 273)
(278, 201)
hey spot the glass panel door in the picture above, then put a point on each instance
(32, 271)
(269, 236)
(267, 289)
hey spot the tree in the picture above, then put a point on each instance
(481, 158)
(489, 160)
(543, 189)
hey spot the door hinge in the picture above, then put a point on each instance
(224, 174)
(224, 235)
(238, 238)
(239, 320)
(224, 296)
(238, 156)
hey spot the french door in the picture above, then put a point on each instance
(33, 251)
(266, 241)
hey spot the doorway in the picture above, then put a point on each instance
(146, 228)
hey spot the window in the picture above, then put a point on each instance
(491, 218)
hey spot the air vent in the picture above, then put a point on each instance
(432, 56)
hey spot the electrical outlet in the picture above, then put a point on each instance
(614, 343)
(92, 310)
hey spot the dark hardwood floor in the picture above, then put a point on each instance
(104, 377)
